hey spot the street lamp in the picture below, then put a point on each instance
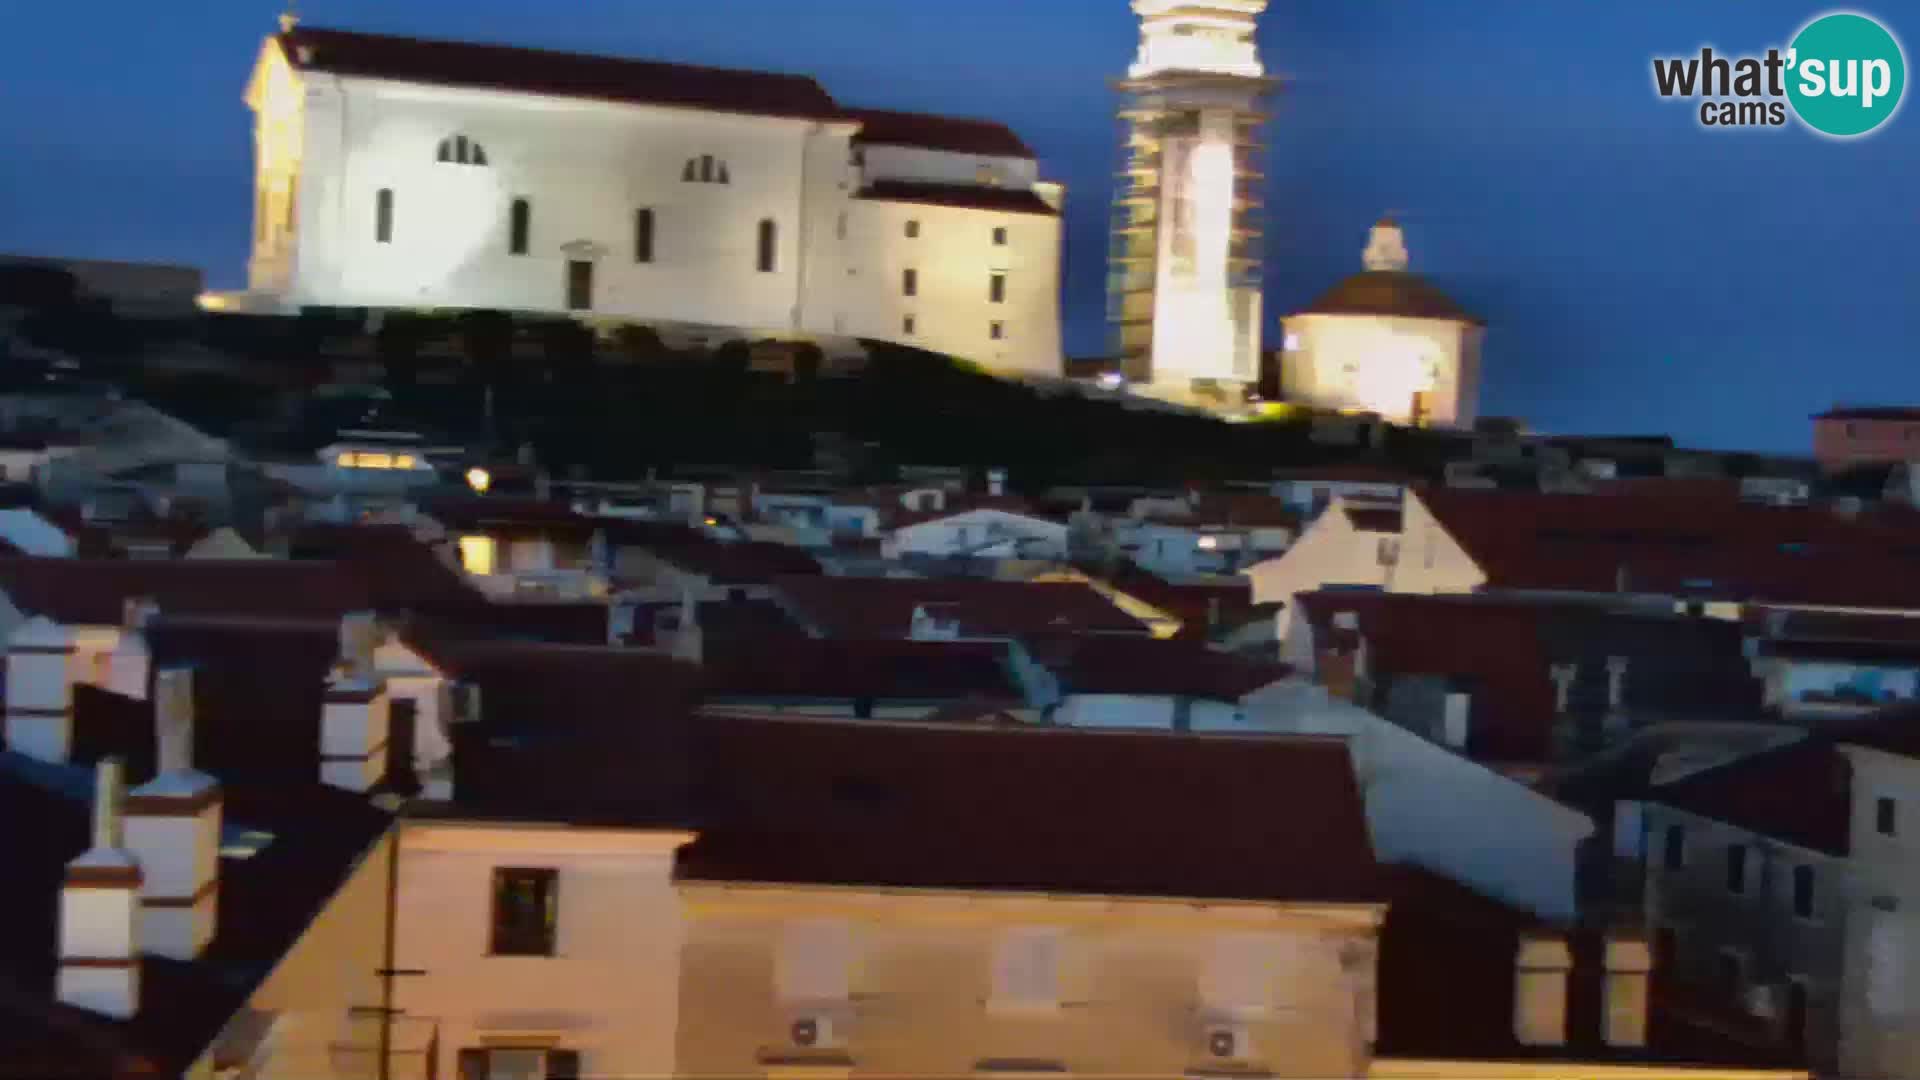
(479, 480)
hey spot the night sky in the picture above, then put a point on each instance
(1640, 274)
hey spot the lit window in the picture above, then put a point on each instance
(520, 226)
(1000, 236)
(383, 216)
(769, 245)
(403, 461)
(913, 229)
(998, 331)
(910, 282)
(460, 150)
(997, 289)
(478, 555)
(643, 235)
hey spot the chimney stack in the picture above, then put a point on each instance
(1616, 682)
(131, 663)
(173, 829)
(1562, 676)
(996, 482)
(1456, 719)
(39, 718)
(1541, 965)
(99, 910)
(353, 721)
(1629, 975)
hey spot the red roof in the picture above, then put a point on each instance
(877, 608)
(1687, 546)
(989, 808)
(740, 563)
(1103, 664)
(1801, 793)
(537, 71)
(897, 669)
(1871, 412)
(1201, 608)
(926, 131)
(961, 196)
(94, 592)
(267, 901)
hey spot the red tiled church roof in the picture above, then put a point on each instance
(538, 71)
(925, 131)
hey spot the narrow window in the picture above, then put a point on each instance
(383, 216)
(690, 173)
(293, 206)
(998, 331)
(520, 225)
(723, 176)
(1000, 236)
(906, 326)
(997, 289)
(643, 235)
(460, 149)
(1736, 868)
(446, 150)
(525, 911)
(1885, 819)
(913, 230)
(1803, 891)
(1676, 848)
(706, 168)
(769, 240)
(479, 155)
(910, 282)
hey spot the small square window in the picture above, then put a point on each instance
(525, 910)
(1736, 868)
(1000, 236)
(907, 326)
(913, 230)
(1886, 817)
(998, 331)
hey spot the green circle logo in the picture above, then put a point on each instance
(1846, 75)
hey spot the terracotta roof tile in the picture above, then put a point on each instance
(1102, 664)
(94, 592)
(1389, 292)
(1800, 793)
(926, 131)
(854, 804)
(896, 669)
(536, 71)
(877, 608)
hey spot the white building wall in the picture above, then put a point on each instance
(611, 989)
(1329, 552)
(953, 259)
(1878, 1023)
(1431, 560)
(1034, 538)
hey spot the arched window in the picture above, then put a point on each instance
(706, 169)
(769, 244)
(520, 224)
(460, 150)
(643, 235)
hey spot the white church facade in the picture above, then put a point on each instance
(401, 173)
(1385, 341)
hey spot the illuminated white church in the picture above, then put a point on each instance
(1386, 341)
(400, 173)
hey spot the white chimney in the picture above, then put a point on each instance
(1629, 973)
(131, 662)
(1616, 682)
(689, 639)
(927, 625)
(39, 719)
(1562, 676)
(1456, 720)
(996, 482)
(173, 828)
(354, 718)
(1541, 965)
(99, 908)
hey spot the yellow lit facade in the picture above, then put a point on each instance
(479, 555)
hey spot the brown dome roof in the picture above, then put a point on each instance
(1390, 292)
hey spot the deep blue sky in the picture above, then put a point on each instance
(1639, 273)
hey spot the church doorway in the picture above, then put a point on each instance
(579, 285)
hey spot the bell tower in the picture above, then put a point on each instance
(1184, 276)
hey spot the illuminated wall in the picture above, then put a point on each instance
(587, 170)
(1376, 363)
(1184, 271)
